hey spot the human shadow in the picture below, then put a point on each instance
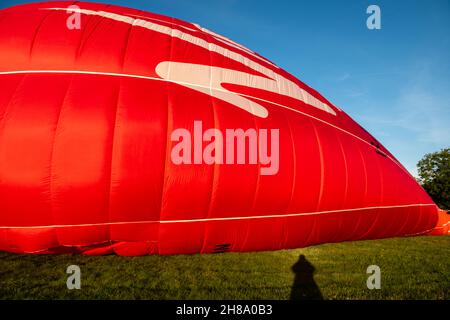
(304, 286)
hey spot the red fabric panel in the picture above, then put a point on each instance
(86, 119)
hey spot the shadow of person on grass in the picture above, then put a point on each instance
(304, 287)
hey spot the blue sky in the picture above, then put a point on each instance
(395, 81)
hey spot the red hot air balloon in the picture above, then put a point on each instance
(128, 132)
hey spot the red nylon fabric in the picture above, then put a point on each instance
(85, 166)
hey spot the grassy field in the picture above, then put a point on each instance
(411, 268)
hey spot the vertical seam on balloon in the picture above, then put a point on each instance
(169, 121)
(153, 246)
(366, 180)
(399, 229)
(33, 40)
(341, 146)
(438, 219)
(84, 38)
(213, 181)
(370, 228)
(294, 162)
(339, 226)
(380, 170)
(322, 165)
(96, 25)
(355, 231)
(113, 129)
(310, 239)
(257, 183)
(418, 220)
(127, 41)
(366, 183)
(172, 39)
(377, 211)
(294, 175)
(428, 217)
(285, 229)
(314, 226)
(4, 118)
(403, 226)
(113, 135)
(445, 221)
(51, 171)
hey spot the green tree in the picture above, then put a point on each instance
(434, 176)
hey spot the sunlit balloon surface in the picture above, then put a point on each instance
(128, 132)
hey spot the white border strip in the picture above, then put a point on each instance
(218, 219)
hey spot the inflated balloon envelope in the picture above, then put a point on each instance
(127, 132)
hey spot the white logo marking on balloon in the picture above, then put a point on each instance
(209, 80)
(276, 82)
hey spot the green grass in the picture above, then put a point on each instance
(411, 268)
